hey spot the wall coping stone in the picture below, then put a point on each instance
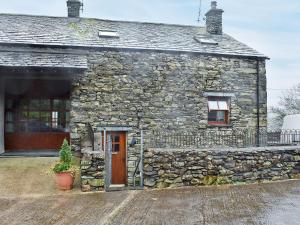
(250, 149)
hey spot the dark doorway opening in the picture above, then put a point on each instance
(37, 114)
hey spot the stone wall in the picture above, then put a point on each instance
(162, 91)
(92, 172)
(191, 167)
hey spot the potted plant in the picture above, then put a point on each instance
(63, 170)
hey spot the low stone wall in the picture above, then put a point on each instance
(192, 167)
(92, 172)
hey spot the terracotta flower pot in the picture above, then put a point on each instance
(65, 180)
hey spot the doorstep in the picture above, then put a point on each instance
(122, 187)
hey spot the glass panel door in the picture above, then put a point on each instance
(37, 115)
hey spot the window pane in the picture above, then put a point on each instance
(117, 139)
(45, 126)
(59, 104)
(46, 117)
(223, 105)
(212, 116)
(220, 116)
(9, 127)
(54, 119)
(23, 115)
(9, 104)
(9, 117)
(34, 115)
(23, 104)
(213, 105)
(22, 127)
(34, 104)
(116, 148)
(33, 126)
(45, 104)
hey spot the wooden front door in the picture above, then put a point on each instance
(119, 173)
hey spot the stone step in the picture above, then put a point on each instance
(123, 188)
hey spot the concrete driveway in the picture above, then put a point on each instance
(270, 203)
(276, 204)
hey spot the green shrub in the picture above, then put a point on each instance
(216, 180)
(65, 155)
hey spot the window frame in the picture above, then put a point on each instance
(226, 112)
(17, 122)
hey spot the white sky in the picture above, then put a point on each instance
(270, 26)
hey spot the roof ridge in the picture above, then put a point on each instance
(99, 19)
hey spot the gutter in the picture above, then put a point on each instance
(130, 49)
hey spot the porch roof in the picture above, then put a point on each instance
(38, 59)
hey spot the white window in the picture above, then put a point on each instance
(217, 105)
(108, 33)
(218, 110)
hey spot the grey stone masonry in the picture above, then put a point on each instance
(157, 90)
(164, 91)
(74, 8)
(214, 21)
(193, 167)
(92, 172)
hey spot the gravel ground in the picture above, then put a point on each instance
(29, 177)
(25, 200)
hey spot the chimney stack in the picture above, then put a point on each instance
(214, 20)
(74, 7)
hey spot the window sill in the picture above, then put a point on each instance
(220, 125)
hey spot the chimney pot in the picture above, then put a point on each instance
(214, 4)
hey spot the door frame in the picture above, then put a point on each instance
(108, 155)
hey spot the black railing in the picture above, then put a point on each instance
(223, 138)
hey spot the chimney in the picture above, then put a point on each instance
(214, 19)
(74, 7)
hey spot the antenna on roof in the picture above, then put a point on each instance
(81, 6)
(199, 12)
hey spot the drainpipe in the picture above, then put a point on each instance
(257, 104)
(142, 160)
(2, 105)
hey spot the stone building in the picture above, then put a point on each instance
(63, 77)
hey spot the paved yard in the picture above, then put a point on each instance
(29, 177)
(276, 203)
(272, 203)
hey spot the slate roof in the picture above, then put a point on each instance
(32, 59)
(83, 32)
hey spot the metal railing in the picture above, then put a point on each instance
(136, 174)
(239, 138)
(140, 165)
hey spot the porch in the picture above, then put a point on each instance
(35, 93)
